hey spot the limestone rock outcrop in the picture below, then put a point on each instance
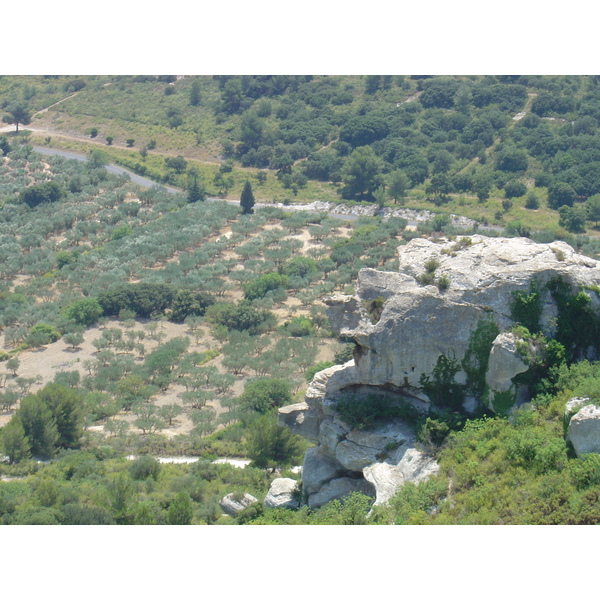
(282, 493)
(232, 504)
(504, 364)
(584, 426)
(418, 322)
(401, 324)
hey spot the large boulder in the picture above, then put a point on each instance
(386, 477)
(362, 448)
(584, 429)
(505, 363)
(318, 468)
(282, 494)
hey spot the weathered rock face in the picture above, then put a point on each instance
(584, 427)
(419, 322)
(401, 342)
(504, 364)
(282, 493)
(232, 504)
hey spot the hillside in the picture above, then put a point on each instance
(509, 151)
(139, 324)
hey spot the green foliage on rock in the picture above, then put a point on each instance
(526, 308)
(475, 361)
(440, 386)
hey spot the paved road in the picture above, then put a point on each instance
(110, 168)
(144, 182)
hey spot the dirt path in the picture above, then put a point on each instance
(514, 121)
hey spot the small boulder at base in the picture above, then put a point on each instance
(282, 493)
(234, 503)
(584, 430)
(339, 488)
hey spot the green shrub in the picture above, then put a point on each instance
(374, 307)
(42, 334)
(362, 412)
(259, 287)
(526, 308)
(440, 387)
(49, 191)
(264, 394)
(241, 317)
(300, 266)
(144, 467)
(300, 327)
(85, 312)
(142, 298)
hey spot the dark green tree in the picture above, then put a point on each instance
(17, 114)
(593, 207)
(65, 407)
(361, 174)
(196, 192)
(271, 446)
(181, 510)
(177, 163)
(572, 218)
(85, 312)
(39, 426)
(398, 183)
(49, 191)
(262, 395)
(14, 441)
(561, 194)
(195, 93)
(247, 199)
(4, 145)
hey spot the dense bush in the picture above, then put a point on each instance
(143, 299)
(86, 311)
(49, 191)
(241, 317)
(259, 287)
(262, 395)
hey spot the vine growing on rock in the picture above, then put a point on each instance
(577, 324)
(440, 387)
(526, 308)
(476, 359)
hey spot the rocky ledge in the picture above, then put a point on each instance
(402, 324)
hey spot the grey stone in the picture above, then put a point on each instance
(362, 448)
(416, 326)
(232, 504)
(318, 468)
(407, 465)
(282, 493)
(584, 430)
(504, 364)
(339, 488)
(301, 419)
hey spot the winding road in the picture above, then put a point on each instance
(145, 182)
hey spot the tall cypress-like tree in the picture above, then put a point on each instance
(196, 192)
(195, 93)
(247, 199)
